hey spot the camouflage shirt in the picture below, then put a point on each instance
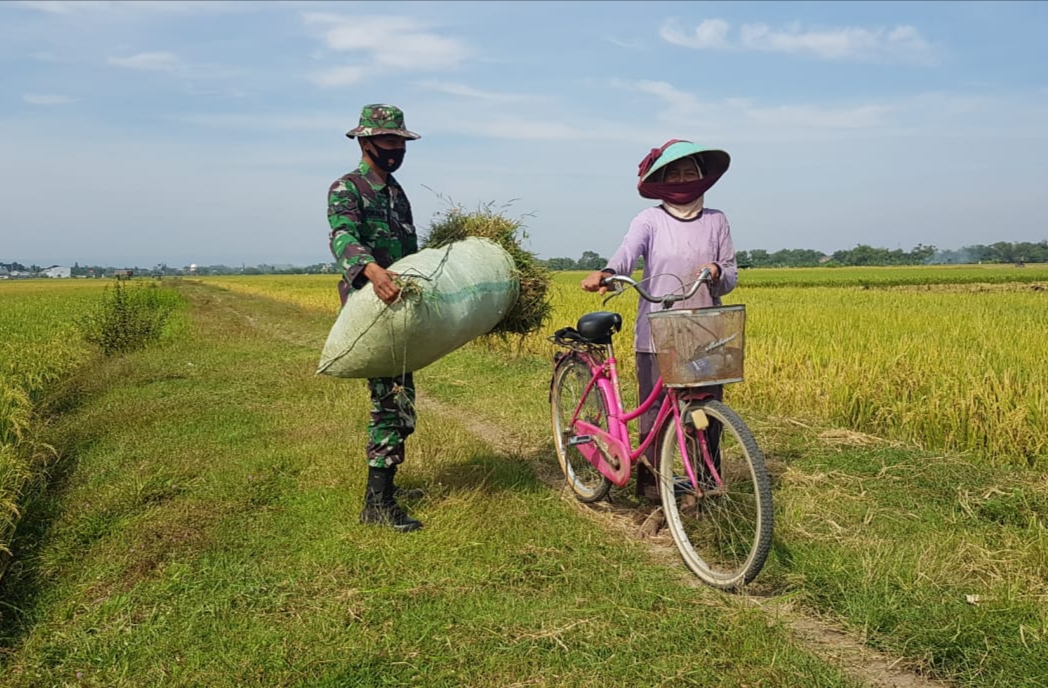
(370, 223)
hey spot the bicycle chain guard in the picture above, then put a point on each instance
(607, 454)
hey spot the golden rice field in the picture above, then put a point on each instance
(38, 345)
(907, 275)
(949, 359)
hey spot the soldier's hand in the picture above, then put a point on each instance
(382, 281)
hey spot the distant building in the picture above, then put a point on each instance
(57, 272)
(4, 274)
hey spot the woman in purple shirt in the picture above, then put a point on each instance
(677, 239)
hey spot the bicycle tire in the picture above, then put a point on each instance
(723, 546)
(570, 378)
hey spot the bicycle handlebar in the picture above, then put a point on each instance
(666, 300)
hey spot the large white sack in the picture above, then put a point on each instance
(467, 288)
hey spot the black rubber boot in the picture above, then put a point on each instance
(380, 507)
(408, 493)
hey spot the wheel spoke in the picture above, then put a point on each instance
(723, 534)
(570, 383)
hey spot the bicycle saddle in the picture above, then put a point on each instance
(598, 327)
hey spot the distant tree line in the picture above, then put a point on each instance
(860, 255)
(1000, 252)
(163, 270)
(18, 267)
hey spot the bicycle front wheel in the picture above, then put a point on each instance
(723, 528)
(570, 379)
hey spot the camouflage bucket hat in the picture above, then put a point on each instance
(381, 120)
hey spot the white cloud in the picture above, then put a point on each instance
(675, 98)
(515, 127)
(520, 128)
(710, 34)
(820, 117)
(456, 89)
(383, 44)
(173, 65)
(289, 122)
(633, 44)
(66, 6)
(338, 76)
(158, 61)
(666, 111)
(438, 123)
(687, 110)
(901, 43)
(71, 7)
(47, 99)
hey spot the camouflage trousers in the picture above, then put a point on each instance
(392, 419)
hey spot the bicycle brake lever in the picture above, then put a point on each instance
(614, 289)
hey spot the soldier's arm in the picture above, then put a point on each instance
(346, 217)
(411, 245)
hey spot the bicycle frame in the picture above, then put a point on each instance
(599, 446)
(724, 534)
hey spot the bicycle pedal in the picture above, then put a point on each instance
(580, 439)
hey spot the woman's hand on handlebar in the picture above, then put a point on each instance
(714, 269)
(595, 282)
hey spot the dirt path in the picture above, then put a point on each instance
(821, 638)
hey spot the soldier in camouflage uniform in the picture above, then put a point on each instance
(371, 228)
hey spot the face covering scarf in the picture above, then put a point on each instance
(687, 211)
(678, 194)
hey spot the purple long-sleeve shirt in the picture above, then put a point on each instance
(673, 249)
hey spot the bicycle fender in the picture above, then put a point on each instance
(559, 359)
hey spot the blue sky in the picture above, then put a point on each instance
(146, 132)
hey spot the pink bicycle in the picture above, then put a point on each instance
(713, 484)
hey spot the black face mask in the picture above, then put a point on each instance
(387, 159)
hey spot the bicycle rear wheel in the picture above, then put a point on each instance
(723, 531)
(570, 379)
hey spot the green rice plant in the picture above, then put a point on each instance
(37, 347)
(945, 358)
(128, 319)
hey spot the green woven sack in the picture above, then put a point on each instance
(454, 294)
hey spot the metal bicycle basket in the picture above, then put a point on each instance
(701, 346)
